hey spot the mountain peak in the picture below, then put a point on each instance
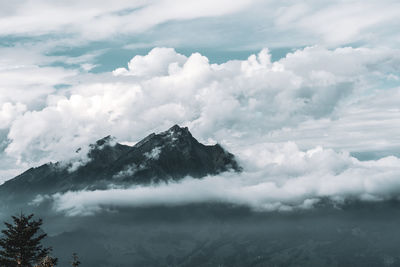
(177, 132)
(169, 137)
(170, 155)
(173, 154)
(177, 129)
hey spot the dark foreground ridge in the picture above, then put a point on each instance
(167, 156)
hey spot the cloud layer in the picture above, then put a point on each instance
(95, 20)
(283, 179)
(335, 98)
(235, 103)
(283, 24)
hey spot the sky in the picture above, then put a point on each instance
(266, 79)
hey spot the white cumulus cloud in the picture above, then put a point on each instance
(235, 103)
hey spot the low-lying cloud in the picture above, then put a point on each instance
(275, 178)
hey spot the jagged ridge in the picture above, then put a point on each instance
(170, 155)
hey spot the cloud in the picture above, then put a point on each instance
(369, 126)
(235, 103)
(283, 179)
(96, 20)
(156, 63)
(245, 25)
(154, 154)
(241, 25)
(338, 22)
(9, 112)
(27, 77)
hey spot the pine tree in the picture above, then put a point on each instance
(75, 261)
(21, 242)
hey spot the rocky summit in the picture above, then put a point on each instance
(167, 156)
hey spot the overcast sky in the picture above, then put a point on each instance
(259, 77)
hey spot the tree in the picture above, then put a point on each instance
(21, 242)
(75, 261)
(47, 262)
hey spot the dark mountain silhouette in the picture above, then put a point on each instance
(167, 156)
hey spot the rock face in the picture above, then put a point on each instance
(170, 155)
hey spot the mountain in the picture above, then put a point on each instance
(200, 234)
(167, 156)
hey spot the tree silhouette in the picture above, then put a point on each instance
(75, 261)
(21, 242)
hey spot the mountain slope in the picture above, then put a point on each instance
(170, 155)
